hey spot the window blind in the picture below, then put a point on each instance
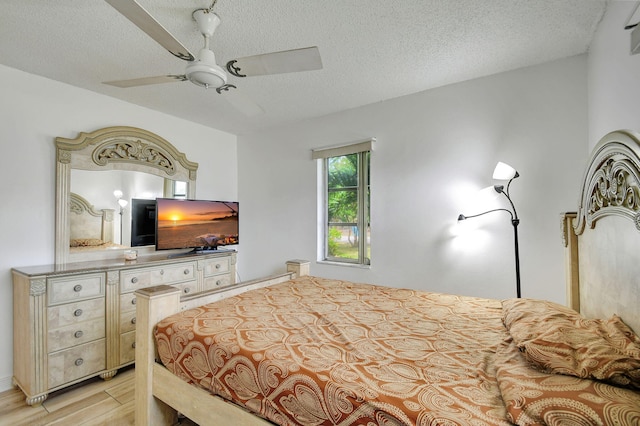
(335, 151)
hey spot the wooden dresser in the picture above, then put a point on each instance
(77, 321)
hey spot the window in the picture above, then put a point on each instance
(346, 194)
(175, 189)
(179, 189)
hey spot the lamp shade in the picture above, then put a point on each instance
(504, 171)
(123, 203)
(117, 193)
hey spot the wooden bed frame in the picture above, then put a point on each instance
(603, 274)
(88, 222)
(157, 390)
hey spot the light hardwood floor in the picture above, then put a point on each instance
(92, 403)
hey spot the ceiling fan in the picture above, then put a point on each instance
(203, 70)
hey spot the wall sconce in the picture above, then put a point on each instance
(122, 203)
(505, 172)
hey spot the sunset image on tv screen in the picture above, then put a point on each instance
(196, 224)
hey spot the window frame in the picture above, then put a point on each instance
(180, 189)
(171, 189)
(363, 150)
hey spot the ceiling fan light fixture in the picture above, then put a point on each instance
(205, 72)
(207, 76)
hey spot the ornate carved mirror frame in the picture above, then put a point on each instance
(112, 148)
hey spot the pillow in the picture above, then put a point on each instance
(85, 242)
(533, 397)
(559, 340)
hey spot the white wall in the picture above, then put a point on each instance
(614, 75)
(33, 112)
(434, 149)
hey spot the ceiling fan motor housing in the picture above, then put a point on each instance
(205, 72)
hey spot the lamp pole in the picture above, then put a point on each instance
(515, 222)
(121, 211)
(123, 204)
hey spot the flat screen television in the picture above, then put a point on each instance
(143, 222)
(200, 225)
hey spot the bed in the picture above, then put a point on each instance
(298, 349)
(89, 228)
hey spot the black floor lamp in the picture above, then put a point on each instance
(505, 172)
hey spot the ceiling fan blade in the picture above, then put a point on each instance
(242, 103)
(147, 23)
(146, 81)
(305, 59)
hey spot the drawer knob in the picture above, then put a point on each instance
(133, 320)
(133, 345)
(78, 334)
(134, 280)
(218, 282)
(161, 271)
(186, 290)
(218, 266)
(78, 362)
(77, 312)
(186, 272)
(77, 288)
(133, 301)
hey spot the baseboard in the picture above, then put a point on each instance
(6, 383)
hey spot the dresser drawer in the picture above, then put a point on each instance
(127, 321)
(127, 347)
(173, 274)
(217, 281)
(77, 362)
(75, 334)
(216, 266)
(71, 313)
(141, 278)
(127, 302)
(72, 288)
(133, 280)
(187, 288)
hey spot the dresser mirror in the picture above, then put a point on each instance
(98, 174)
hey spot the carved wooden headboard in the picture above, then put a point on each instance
(603, 237)
(88, 223)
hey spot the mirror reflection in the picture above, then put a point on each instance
(111, 190)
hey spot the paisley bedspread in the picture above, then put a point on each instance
(315, 351)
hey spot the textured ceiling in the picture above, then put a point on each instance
(371, 50)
